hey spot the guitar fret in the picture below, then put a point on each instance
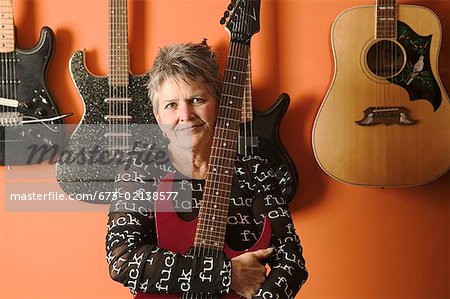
(223, 166)
(235, 71)
(224, 149)
(221, 177)
(207, 224)
(210, 237)
(237, 57)
(210, 232)
(227, 119)
(214, 221)
(219, 196)
(231, 159)
(228, 107)
(234, 84)
(226, 142)
(231, 96)
(216, 204)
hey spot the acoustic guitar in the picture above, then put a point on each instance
(206, 234)
(385, 121)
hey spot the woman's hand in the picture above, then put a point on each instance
(247, 273)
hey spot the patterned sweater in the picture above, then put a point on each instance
(137, 262)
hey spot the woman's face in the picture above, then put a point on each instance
(186, 113)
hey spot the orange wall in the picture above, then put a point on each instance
(358, 242)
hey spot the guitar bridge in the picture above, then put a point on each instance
(10, 119)
(387, 116)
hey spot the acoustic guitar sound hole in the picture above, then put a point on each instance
(385, 59)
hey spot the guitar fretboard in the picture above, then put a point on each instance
(7, 43)
(212, 220)
(118, 43)
(386, 19)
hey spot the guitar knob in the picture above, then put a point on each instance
(34, 133)
(25, 105)
(40, 112)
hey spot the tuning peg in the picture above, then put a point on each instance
(226, 14)
(233, 2)
(222, 21)
(230, 6)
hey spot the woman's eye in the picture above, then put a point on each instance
(197, 100)
(170, 106)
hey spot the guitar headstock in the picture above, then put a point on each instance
(243, 19)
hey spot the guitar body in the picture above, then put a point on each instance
(267, 144)
(384, 131)
(168, 228)
(35, 102)
(93, 90)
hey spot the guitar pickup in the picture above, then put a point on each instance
(247, 143)
(116, 134)
(118, 118)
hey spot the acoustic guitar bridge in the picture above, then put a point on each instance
(386, 115)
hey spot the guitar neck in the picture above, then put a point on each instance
(213, 213)
(7, 42)
(118, 43)
(386, 19)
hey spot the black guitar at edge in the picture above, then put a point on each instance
(29, 118)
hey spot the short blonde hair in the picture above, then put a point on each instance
(188, 62)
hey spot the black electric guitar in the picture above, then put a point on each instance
(29, 119)
(114, 108)
(259, 135)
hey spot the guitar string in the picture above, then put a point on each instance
(4, 108)
(114, 81)
(2, 85)
(110, 83)
(16, 80)
(123, 71)
(250, 104)
(391, 57)
(127, 68)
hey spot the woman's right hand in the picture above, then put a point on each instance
(247, 273)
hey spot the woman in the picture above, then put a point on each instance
(184, 90)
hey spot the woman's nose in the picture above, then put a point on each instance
(185, 112)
